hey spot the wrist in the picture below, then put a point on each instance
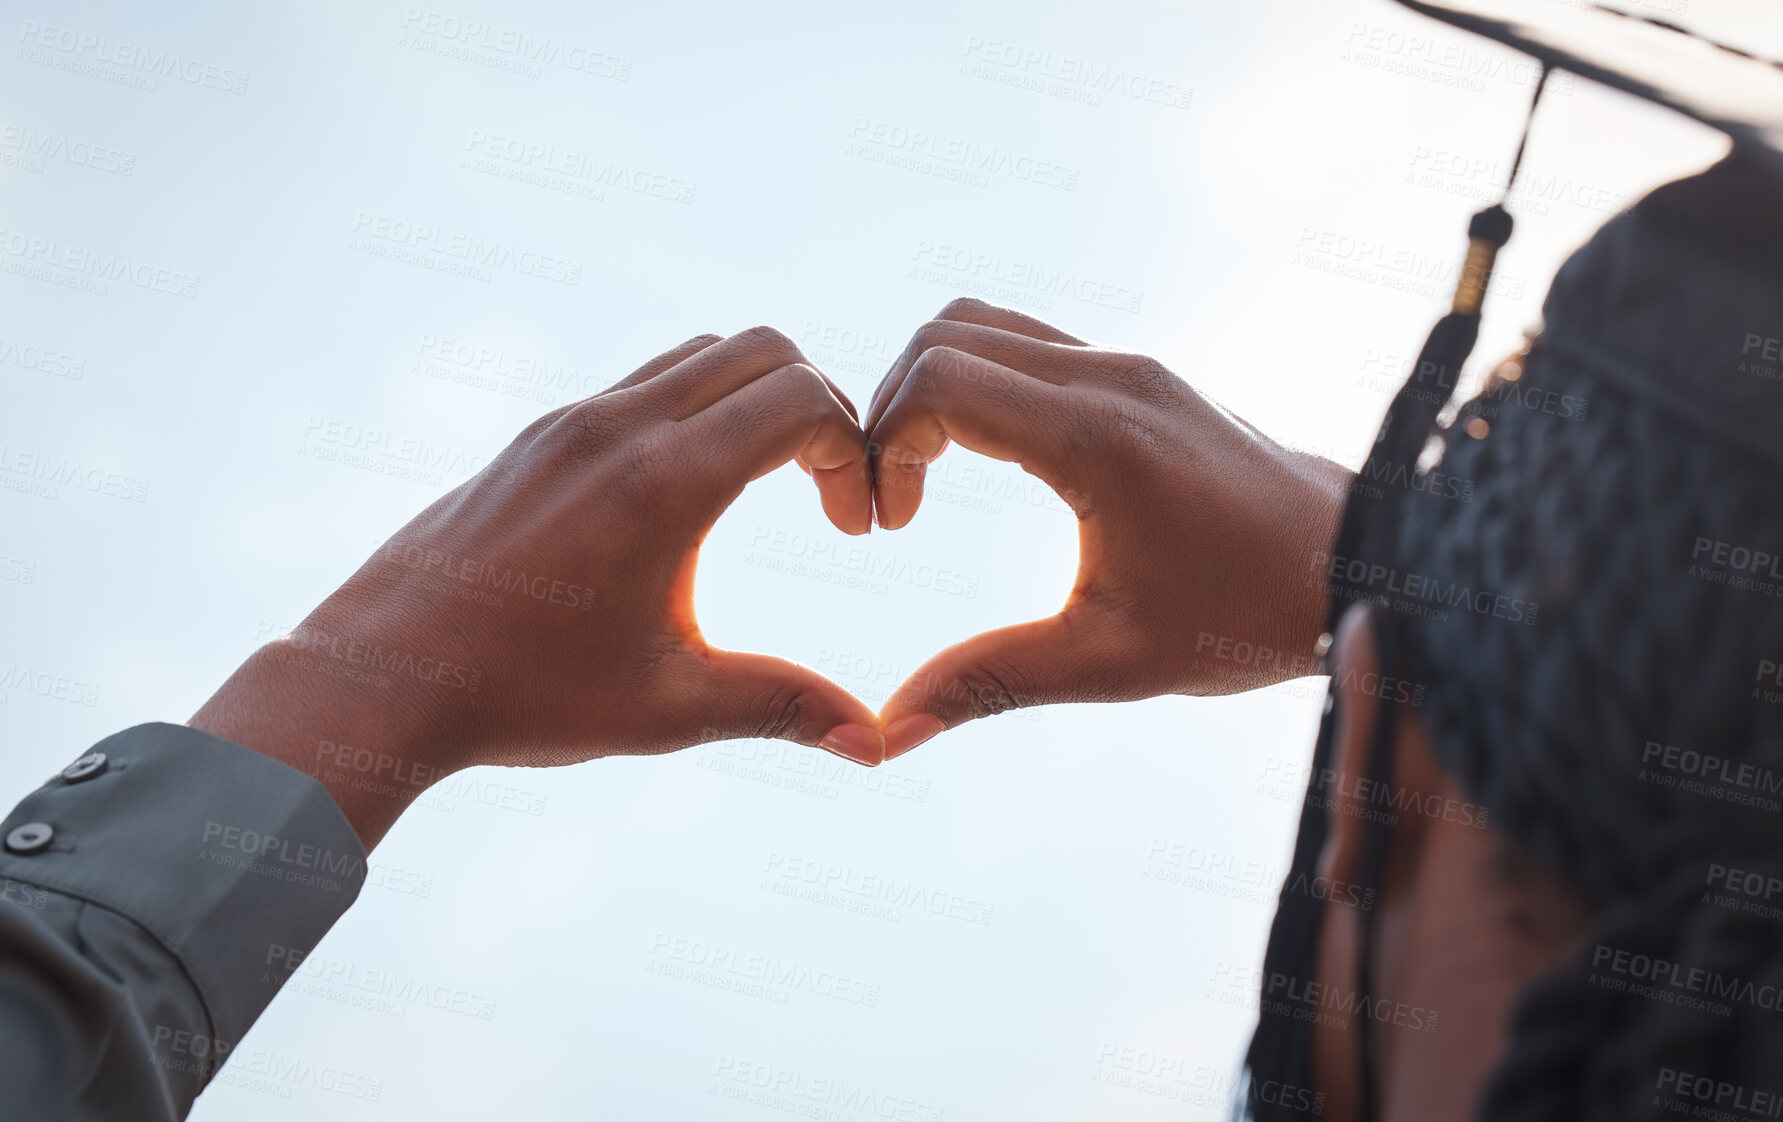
(1314, 493)
(375, 741)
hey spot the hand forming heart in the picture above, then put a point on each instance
(1197, 534)
(542, 612)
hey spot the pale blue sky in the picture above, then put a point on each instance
(726, 166)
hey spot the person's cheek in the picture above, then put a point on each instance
(1334, 1058)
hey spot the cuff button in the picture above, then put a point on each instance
(30, 838)
(86, 767)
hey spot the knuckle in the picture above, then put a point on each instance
(935, 333)
(1150, 377)
(807, 392)
(933, 366)
(986, 691)
(781, 711)
(586, 431)
(770, 340)
(963, 306)
(540, 424)
(1129, 429)
(806, 377)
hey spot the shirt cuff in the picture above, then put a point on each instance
(233, 861)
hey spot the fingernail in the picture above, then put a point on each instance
(906, 733)
(855, 742)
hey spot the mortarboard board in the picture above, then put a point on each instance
(1679, 299)
(1716, 83)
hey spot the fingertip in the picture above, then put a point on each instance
(911, 731)
(847, 498)
(857, 743)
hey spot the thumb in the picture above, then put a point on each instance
(1045, 662)
(757, 695)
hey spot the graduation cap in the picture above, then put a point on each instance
(1678, 300)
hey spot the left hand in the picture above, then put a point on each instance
(542, 612)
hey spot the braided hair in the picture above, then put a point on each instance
(1629, 740)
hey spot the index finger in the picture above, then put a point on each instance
(787, 413)
(989, 408)
(964, 310)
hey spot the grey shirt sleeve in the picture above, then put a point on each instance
(153, 896)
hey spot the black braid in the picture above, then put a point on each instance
(1599, 520)
(1600, 463)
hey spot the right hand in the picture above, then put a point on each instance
(1200, 538)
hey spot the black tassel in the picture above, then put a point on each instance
(1370, 518)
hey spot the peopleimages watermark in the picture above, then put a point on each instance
(1482, 180)
(1353, 578)
(865, 354)
(508, 373)
(45, 360)
(752, 975)
(1715, 1098)
(67, 265)
(871, 894)
(803, 770)
(980, 273)
(873, 679)
(1387, 372)
(33, 472)
(420, 784)
(1704, 773)
(1743, 890)
(808, 1096)
(21, 895)
(114, 60)
(287, 859)
(56, 687)
(385, 453)
(1065, 76)
(929, 152)
(1215, 1086)
(1375, 800)
(22, 146)
(377, 989)
(1400, 268)
(1761, 356)
(1320, 1003)
(380, 771)
(480, 580)
(1218, 873)
(1770, 673)
(503, 48)
(1737, 566)
(851, 565)
(178, 1049)
(1236, 877)
(1690, 987)
(568, 172)
(1260, 656)
(454, 253)
(360, 657)
(1445, 62)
